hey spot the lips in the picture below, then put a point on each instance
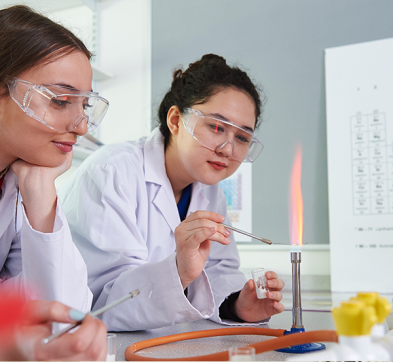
(217, 165)
(64, 146)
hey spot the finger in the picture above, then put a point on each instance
(220, 238)
(37, 312)
(201, 223)
(277, 296)
(248, 289)
(103, 333)
(271, 275)
(203, 214)
(198, 237)
(250, 284)
(204, 223)
(275, 284)
(206, 234)
(77, 343)
(278, 307)
(97, 349)
(224, 231)
(204, 248)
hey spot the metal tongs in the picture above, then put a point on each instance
(266, 241)
(148, 287)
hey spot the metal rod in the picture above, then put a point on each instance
(96, 313)
(266, 241)
(297, 317)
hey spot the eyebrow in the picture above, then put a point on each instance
(226, 119)
(68, 86)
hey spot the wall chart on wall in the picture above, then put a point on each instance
(237, 189)
(359, 105)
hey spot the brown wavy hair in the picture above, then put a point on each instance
(28, 38)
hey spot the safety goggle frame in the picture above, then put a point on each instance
(255, 146)
(93, 114)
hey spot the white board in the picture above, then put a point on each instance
(359, 105)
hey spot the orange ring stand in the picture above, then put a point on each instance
(260, 347)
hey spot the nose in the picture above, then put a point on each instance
(81, 128)
(79, 125)
(225, 149)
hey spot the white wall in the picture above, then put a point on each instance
(79, 20)
(315, 258)
(125, 53)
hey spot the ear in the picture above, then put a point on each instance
(173, 119)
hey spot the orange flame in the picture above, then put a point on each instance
(296, 202)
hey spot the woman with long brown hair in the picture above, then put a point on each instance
(46, 101)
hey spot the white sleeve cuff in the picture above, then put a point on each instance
(200, 295)
(58, 226)
(167, 304)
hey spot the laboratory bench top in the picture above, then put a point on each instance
(317, 303)
(203, 346)
(315, 296)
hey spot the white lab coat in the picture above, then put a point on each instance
(45, 266)
(122, 214)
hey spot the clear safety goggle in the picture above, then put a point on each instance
(60, 108)
(217, 134)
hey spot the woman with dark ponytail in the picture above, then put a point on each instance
(151, 210)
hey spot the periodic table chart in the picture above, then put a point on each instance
(359, 122)
(237, 189)
(233, 193)
(372, 164)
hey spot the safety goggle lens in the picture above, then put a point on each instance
(213, 133)
(60, 108)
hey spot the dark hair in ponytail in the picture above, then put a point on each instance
(199, 82)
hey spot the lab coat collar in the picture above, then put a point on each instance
(155, 172)
(155, 158)
(199, 201)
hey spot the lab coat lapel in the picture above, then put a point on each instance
(167, 208)
(7, 214)
(198, 199)
(155, 172)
